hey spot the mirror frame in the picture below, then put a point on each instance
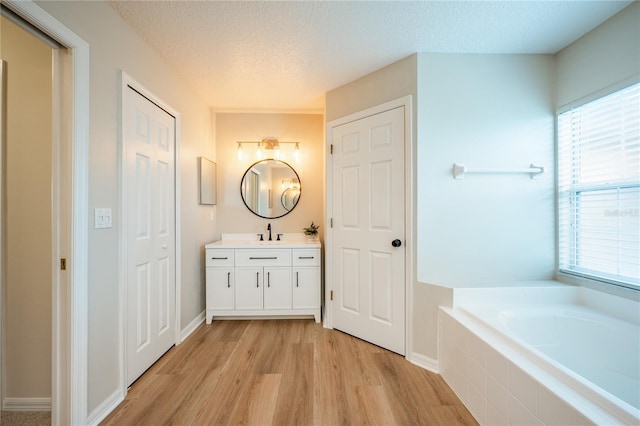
(245, 175)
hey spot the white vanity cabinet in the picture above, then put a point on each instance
(270, 280)
(306, 278)
(220, 279)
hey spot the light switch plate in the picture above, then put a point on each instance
(102, 218)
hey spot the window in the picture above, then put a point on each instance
(599, 188)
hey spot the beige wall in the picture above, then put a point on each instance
(233, 215)
(386, 84)
(114, 47)
(484, 111)
(608, 57)
(27, 307)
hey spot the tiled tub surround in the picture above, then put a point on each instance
(504, 379)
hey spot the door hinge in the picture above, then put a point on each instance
(331, 295)
(331, 223)
(63, 264)
(331, 149)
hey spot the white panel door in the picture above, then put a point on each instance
(368, 215)
(149, 139)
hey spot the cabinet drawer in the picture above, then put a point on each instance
(218, 257)
(268, 257)
(306, 257)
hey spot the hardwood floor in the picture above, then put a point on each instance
(285, 372)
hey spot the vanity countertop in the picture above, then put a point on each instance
(234, 244)
(235, 241)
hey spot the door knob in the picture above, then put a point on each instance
(396, 243)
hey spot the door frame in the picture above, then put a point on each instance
(128, 83)
(3, 218)
(69, 297)
(409, 231)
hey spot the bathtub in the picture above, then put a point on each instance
(573, 358)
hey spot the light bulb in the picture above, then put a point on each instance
(239, 151)
(296, 152)
(259, 151)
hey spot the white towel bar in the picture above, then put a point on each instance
(459, 170)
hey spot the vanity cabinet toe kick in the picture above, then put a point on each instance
(272, 282)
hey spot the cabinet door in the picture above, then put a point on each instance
(220, 288)
(306, 288)
(277, 288)
(248, 288)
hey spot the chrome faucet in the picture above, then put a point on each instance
(269, 229)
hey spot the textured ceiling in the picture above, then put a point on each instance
(272, 55)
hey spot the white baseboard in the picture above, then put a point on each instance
(424, 362)
(26, 404)
(191, 327)
(104, 409)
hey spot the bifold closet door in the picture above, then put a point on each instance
(149, 138)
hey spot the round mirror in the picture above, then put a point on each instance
(289, 198)
(270, 188)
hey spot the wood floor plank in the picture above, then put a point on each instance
(295, 399)
(258, 406)
(330, 392)
(270, 358)
(161, 390)
(372, 406)
(450, 415)
(234, 381)
(357, 362)
(285, 372)
(409, 407)
(205, 383)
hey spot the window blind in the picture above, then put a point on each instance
(599, 188)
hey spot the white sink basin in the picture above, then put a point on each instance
(271, 243)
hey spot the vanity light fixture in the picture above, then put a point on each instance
(291, 184)
(269, 144)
